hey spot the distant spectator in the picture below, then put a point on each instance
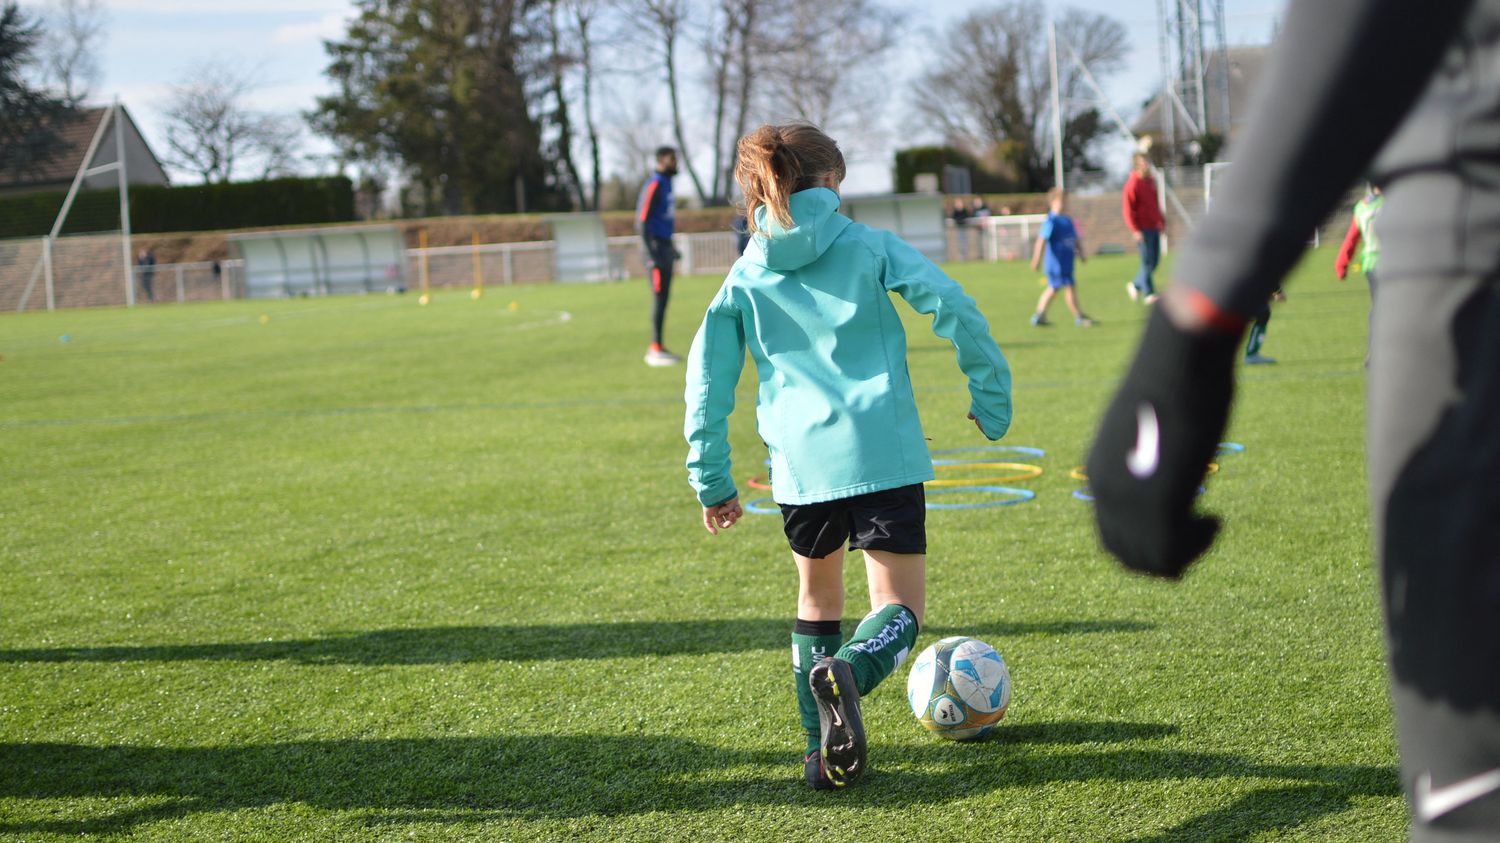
(146, 260)
(740, 225)
(981, 208)
(961, 218)
(1141, 206)
(960, 212)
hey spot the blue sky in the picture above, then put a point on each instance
(150, 44)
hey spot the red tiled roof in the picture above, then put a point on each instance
(61, 167)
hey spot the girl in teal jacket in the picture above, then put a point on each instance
(810, 301)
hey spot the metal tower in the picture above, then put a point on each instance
(1189, 78)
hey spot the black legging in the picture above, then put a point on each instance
(659, 259)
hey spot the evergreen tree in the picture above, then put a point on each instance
(28, 134)
(446, 89)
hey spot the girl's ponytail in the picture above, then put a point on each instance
(773, 162)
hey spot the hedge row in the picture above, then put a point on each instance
(932, 159)
(204, 207)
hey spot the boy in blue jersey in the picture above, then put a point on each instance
(1058, 242)
(810, 300)
(655, 219)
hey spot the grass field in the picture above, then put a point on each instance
(358, 569)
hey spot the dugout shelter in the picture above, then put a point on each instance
(321, 261)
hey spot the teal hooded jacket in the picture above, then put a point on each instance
(835, 404)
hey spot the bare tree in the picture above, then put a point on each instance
(834, 83)
(999, 104)
(559, 60)
(585, 20)
(75, 36)
(210, 130)
(667, 19)
(632, 131)
(279, 146)
(727, 42)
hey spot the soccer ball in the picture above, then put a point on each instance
(959, 688)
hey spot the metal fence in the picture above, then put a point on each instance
(533, 262)
(185, 282)
(87, 271)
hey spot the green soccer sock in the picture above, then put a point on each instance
(812, 641)
(880, 644)
(1257, 336)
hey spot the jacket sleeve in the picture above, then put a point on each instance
(1127, 203)
(646, 206)
(1322, 111)
(956, 318)
(713, 371)
(1346, 251)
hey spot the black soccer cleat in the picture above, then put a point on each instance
(812, 772)
(843, 730)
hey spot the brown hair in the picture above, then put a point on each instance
(776, 161)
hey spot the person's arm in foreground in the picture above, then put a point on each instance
(955, 318)
(713, 370)
(1315, 124)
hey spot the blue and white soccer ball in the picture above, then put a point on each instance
(959, 688)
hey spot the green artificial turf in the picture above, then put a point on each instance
(358, 569)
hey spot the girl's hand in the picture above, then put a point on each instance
(723, 516)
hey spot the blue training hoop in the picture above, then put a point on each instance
(1021, 496)
(1085, 496)
(756, 506)
(986, 449)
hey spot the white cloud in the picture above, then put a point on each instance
(327, 27)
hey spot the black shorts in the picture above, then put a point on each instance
(893, 520)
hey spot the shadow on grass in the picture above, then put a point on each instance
(548, 642)
(527, 777)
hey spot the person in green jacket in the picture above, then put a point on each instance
(810, 301)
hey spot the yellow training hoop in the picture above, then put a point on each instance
(1027, 472)
(1078, 474)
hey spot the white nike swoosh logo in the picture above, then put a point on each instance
(1144, 457)
(1431, 804)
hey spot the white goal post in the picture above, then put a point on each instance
(47, 265)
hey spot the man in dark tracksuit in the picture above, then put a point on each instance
(655, 219)
(1420, 87)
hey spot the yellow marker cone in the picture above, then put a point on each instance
(424, 299)
(514, 306)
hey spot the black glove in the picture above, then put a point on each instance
(1154, 446)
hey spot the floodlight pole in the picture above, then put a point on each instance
(1057, 144)
(119, 114)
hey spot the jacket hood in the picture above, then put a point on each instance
(816, 224)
